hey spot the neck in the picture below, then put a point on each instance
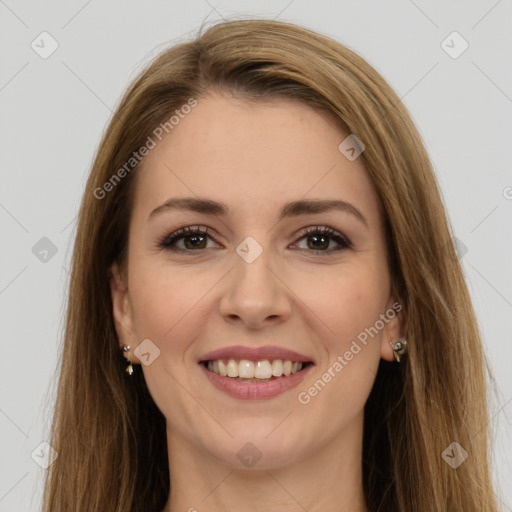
(327, 479)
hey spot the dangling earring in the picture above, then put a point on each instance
(399, 349)
(129, 367)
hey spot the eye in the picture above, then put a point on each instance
(195, 238)
(321, 236)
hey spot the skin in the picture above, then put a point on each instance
(316, 304)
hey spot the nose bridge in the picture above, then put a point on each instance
(252, 262)
(254, 292)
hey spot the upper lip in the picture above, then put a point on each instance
(238, 352)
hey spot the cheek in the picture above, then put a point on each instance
(169, 304)
(169, 309)
(362, 306)
(350, 304)
(354, 352)
(348, 301)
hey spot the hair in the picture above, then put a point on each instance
(108, 432)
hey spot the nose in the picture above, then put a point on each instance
(255, 294)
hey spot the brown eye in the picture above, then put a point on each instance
(194, 238)
(320, 237)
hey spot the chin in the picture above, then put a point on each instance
(257, 445)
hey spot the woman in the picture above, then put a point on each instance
(263, 242)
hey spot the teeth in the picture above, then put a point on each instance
(232, 368)
(223, 369)
(263, 370)
(277, 368)
(246, 369)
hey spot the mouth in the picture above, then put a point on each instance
(261, 379)
(256, 371)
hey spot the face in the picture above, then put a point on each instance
(254, 278)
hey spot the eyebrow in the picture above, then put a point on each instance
(293, 209)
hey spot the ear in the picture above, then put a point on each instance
(395, 328)
(121, 309)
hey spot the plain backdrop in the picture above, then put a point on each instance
(54, 111)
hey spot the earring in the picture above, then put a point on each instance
(399, 349)
(129, 367)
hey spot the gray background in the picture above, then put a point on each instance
(54, 110)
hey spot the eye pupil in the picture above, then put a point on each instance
(317, 237)
(193, 237)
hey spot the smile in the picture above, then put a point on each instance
(255, 380)
(254, 371)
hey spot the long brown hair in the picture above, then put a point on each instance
(110, 436)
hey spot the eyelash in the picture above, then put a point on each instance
(167, 241)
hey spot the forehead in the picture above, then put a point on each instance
(250, 154)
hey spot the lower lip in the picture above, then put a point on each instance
(255, 390)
